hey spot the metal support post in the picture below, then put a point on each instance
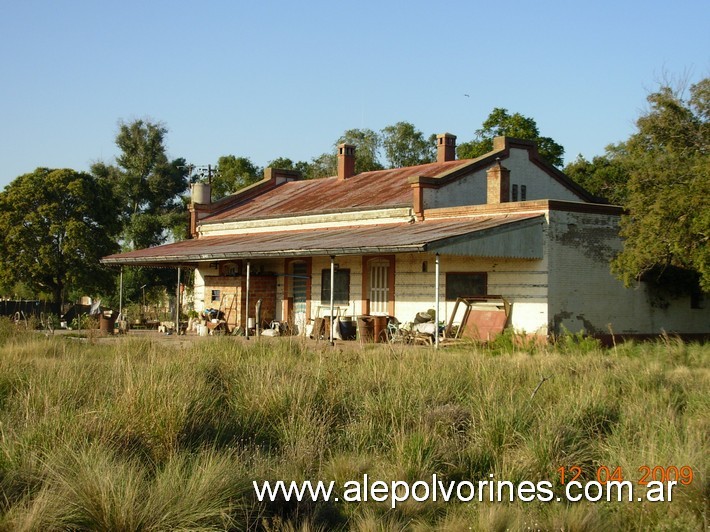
(177, 304)
(246, 326)
(332, 295)
(436, 308)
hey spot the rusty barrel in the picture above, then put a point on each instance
(365, 328)
(380, 329)
(107, 320)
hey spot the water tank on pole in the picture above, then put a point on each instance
(201, 193)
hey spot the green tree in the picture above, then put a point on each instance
(55, 226)
(404, 145)
(367, 143)
(232, 174)
(605, 176)
(16, 290)
(501, 123)
(325, 165)
(148, 184)
(284, 163)
(668, 225)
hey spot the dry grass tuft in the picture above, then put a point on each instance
(130, 435)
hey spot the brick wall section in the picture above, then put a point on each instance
(346, 161)
(260, 287)
(498, 184)
(228, 287)
(445, 147)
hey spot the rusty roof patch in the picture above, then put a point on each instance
(376, 189)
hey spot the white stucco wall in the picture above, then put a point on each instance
(522, 282)
(472, 189)
(467, 190)
(539, 184)
(585, 295)
(199, 288)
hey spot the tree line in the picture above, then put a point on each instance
(395, 146)
(55, 224)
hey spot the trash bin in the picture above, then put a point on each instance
(107, 319)
(348, 328)
(366, 328)
(380, 329)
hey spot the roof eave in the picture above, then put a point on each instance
(192, 260)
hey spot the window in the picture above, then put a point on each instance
(515, 193)
(465, 285)
(341, 295)
(523, 192)
(215, 295)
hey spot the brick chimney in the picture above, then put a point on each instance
(346, 161)
(498, 183)
(445, 147)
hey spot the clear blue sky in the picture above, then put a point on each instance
(270, 79)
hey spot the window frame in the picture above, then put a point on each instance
(482, 278)
(340, 290)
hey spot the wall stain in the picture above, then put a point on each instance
(590, 240)
(557, 321)
(558, 318)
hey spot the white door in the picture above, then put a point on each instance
(379, 287)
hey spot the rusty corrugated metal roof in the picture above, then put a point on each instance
(381, 188)
(384, 238)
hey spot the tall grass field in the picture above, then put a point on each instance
(144, 433)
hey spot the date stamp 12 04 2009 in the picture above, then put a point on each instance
(645, 474)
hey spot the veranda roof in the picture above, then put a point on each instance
(512, 236)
